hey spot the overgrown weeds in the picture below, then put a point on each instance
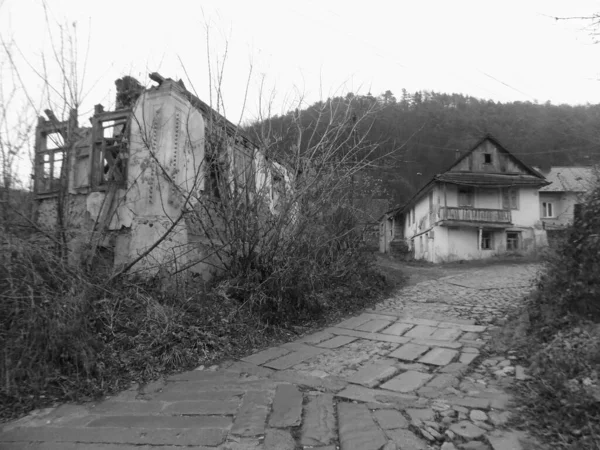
(68, 336)
(562, 401)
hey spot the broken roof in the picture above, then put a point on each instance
(569, 179)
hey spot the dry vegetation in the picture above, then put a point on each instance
(559, 336)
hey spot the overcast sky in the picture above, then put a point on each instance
(509, 50)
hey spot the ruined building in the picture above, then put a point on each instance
(119, 188)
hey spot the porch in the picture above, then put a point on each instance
(464, 216)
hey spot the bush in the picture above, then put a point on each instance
(66, 335)
(562, 402)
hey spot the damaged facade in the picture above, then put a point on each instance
(485, 204)
(126, 182)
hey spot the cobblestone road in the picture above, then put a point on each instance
(407, 375)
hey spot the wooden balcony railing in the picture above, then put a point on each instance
(475, 215)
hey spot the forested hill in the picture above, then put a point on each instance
(418, 134)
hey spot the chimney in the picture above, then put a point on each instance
(128, 91)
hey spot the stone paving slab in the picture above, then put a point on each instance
(337, 341)
(371, 336)
(371, 374)
(252, 417)
(194, 395)
(409, 352)
(203, 407)
(139, 421)
(420, 332)
(354, 322)
(467, 358)
(373, 326)
(319, 423)
(291, 359)
(446, 334)
(279, 440)
(315, 338)
(92, 446)
(266, 355)
(390, 419)
(406, 439)
(439, 356)
(287, 407)
(116, 435)
(421, 321)
(407, 382)
(357, 429)
(245, 368)
(438, 343)
(329, 383)
(398, 328)
(377, 396)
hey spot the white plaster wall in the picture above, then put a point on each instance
(463, 244)
(421, 210)
(441, 244)
(165, 165)
(564, 203)
(528, 213)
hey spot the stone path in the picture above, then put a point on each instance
(406, 375)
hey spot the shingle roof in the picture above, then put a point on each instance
(569, 179)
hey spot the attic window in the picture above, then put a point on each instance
(487, 158)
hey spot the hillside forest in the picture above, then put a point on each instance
(418, 135)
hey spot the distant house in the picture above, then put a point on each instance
(568, 187)
(486, 203)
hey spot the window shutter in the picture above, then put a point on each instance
(505, 199)
(514, 199)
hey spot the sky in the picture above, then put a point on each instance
(271, 56)
(284, 52)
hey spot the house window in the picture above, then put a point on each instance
(513, 240)
(487, 240)
(49, 162)
(412, 216)
(465, 196)
(510, 198)
(547, 209)
(487, 158)
(110, 149)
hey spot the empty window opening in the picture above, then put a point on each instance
(49, 161)
(487, 240)
(54, 141)
(487, 158)
(110, 151)
(513, 240)
(547, 209)
(215, 178)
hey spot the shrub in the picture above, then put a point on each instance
(563, 399)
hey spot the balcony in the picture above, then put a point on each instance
(474, 216)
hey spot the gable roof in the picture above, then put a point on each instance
(490, 180)
(569, 179)
(493, 140)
